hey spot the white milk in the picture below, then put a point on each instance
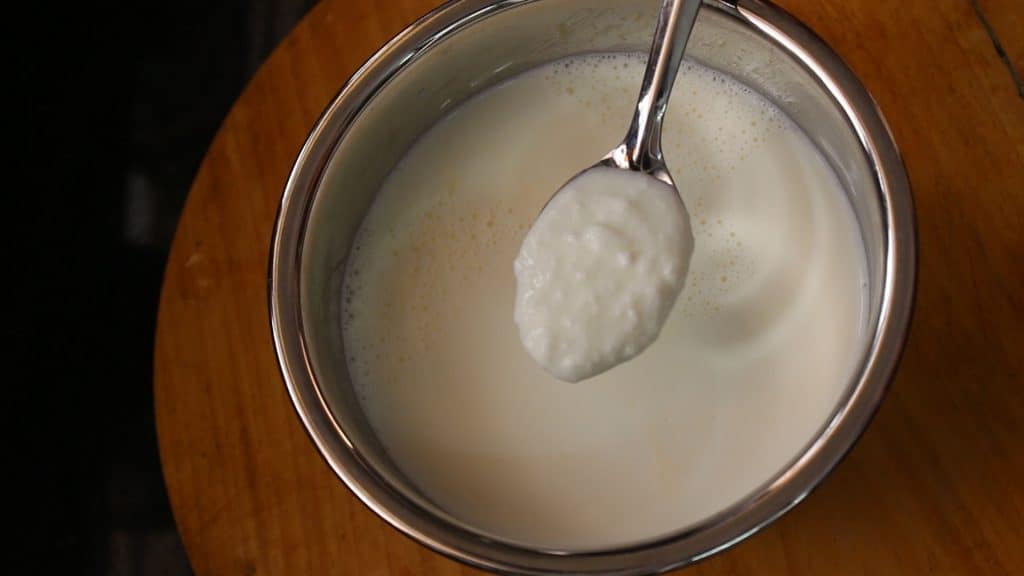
(599, 271)
(758, 348)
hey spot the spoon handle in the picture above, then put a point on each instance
(643, 141)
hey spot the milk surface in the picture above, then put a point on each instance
(758, 348)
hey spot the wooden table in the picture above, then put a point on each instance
(936, 485)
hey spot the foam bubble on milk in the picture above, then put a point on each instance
(702, 417)
(445, 249)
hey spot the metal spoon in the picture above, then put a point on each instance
(626, 297)
(641, 149)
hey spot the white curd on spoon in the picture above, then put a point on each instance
(599, 271)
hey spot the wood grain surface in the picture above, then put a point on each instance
(936, 485)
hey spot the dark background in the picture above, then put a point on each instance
(122, 101)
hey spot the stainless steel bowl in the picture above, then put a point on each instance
(468, 45)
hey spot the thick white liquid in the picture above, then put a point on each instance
(760, 345)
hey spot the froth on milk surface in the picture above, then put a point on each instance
(758, 349)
